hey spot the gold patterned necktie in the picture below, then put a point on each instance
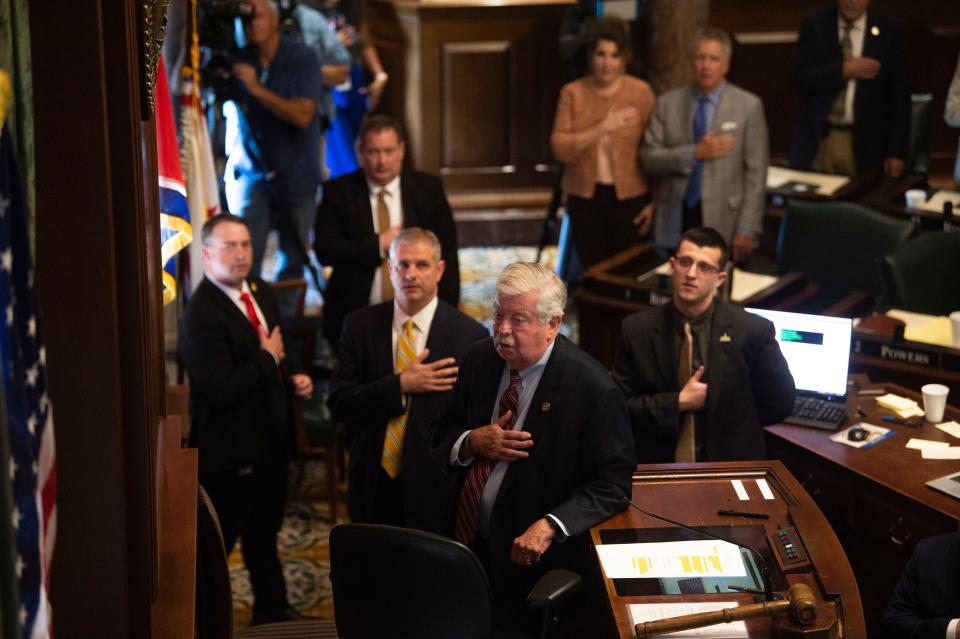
(686, 444)
(393, 438)
(383, 221)
(839, 107)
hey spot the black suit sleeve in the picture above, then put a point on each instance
(351, 400)
(208, 357)
(808, 74)
(430, 209)
(902, 618)
(607, 459)
(773, 387)
(898, 99)
(651, 411)
(335, 244)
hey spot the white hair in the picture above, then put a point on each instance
(521, 278)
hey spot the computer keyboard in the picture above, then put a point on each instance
(817, 413)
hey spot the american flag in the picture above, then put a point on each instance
(32, 465)
(175, 229)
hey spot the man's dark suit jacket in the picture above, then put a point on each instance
(238, 401)
(345, 240)
(881, 106)
(365, 394)
(928, 595)
(579, 468)
(748, 384)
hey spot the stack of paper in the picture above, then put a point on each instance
(901, 406)
(929, 329)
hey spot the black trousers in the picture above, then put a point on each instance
(250, 507)
(603, 225)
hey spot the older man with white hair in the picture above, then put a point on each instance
(538, 439)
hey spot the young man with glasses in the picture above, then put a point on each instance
(701, 377)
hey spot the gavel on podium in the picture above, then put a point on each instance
(800, 604)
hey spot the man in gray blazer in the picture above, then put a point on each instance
(708, 142)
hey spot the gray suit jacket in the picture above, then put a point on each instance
(733, 187)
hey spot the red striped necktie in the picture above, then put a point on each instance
(251, 311)
(465, 528)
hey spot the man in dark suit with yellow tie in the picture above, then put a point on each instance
(362, 212)
(396, 366)
(231, 345)
(701, 377)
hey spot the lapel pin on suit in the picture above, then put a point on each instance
(545, 407)
(724, 338)
(253, 286)
(874, 31)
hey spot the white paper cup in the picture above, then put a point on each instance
(934, 401)
(955, 326)
(915, 198)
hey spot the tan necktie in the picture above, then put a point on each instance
(686, 446)
(393, 438)
(383, 221)
(840, 102)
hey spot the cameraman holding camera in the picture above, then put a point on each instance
(273, 138)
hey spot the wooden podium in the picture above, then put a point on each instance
(692, 494)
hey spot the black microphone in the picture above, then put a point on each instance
(768, 594)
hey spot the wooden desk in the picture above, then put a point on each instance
(692, 493)
(875, 498)
(875, 352)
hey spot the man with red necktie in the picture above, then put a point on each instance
(233, 351)
(538, 440)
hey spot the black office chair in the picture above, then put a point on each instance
(402, 583)
(922, 276)
(836, 244)
(214, 600)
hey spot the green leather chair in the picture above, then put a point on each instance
(836, 244)
(924, 275)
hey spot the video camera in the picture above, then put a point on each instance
(217, 31)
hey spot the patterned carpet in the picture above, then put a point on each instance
(304, 539)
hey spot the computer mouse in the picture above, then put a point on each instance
(857, 434)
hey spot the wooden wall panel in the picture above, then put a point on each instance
(477, 100)
(480, 88)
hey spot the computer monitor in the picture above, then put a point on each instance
(816, 347)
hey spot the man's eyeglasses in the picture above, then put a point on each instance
(703, 268)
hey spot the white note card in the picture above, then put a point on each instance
(640, 613)
(919, 444)
(764, 489)
(951, 428)
(740, 489)
(941, 452)
(671, 559)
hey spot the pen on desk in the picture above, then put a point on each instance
(900, 420)
(740, 513)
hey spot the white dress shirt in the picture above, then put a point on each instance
(421, 326)
(857, 32)
(395, 207)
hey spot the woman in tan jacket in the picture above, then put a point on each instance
(596, 133)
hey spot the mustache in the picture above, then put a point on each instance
(504, 340)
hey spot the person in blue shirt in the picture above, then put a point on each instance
(273, 138)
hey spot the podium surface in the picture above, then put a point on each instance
(692, 494)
